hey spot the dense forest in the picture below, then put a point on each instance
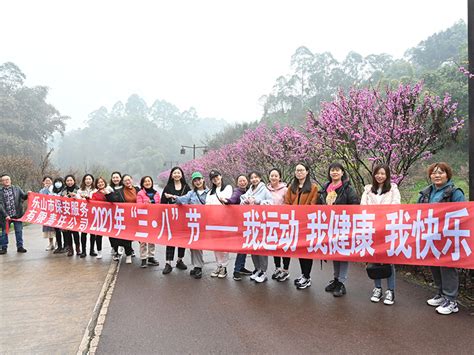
(317, 77)
(134, 137)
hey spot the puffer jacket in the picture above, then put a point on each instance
(346, 195)
(391, 197)
(261, 195)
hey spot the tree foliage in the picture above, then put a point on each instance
(133, 137)
(27, 119)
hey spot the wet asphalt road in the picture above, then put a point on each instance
(168, 314)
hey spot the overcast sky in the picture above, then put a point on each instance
(217, 56)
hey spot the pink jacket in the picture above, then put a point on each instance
(142, 197)
(278, 193)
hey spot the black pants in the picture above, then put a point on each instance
(126, 244)
(306, 265)
(68, 236)
(93, 240)
(114, 243)
(170, 253)
(286, 262)
(59, 238)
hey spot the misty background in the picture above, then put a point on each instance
(119, 85)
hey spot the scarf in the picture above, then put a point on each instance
(333, 187)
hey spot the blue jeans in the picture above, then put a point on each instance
(390, 281)
(240, 262)
(340, 270)
(18, 234)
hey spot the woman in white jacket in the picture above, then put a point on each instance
(258, 194)
(218, 195)
(382, 192)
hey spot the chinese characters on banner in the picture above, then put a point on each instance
(424, 234)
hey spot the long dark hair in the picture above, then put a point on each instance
(214, 186)
(337, 165)
(170, 182)
(70, 187)
(307, 182)
(254, 172)
(83, 182)
(58, 179)
(387, 185)
(121, 178)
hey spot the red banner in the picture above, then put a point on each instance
(423, 234)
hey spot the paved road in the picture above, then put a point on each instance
(46, 300)
(155, 313)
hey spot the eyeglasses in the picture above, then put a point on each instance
(300, 170)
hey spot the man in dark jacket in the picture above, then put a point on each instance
(11, 206)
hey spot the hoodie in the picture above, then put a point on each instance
(278, 193)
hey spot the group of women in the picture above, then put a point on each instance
(251, 190)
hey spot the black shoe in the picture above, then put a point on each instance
(180, 265)
(197, 273)
(92, 253)
(340, 290)
(193, 271)
(144, 263)
(237, 276)
(82, 255)
(21, 250)
(331, 285)
(152, 261)
(3, 251)
(304, 283)
(246, 272)
(167, 269)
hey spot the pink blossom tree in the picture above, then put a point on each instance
(398, 128)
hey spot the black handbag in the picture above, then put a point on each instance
(379, 271)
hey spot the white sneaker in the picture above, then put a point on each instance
(222, 273)
(298, 280)
(436, 301)
(376, 295)
(128, 260)
(254, 275)
(304, 283)
(262, 277)
(389, 298)
(276, 274)
(448, 307)
(284, 275)
(50, 247)
(216, 272)
(99, 254)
